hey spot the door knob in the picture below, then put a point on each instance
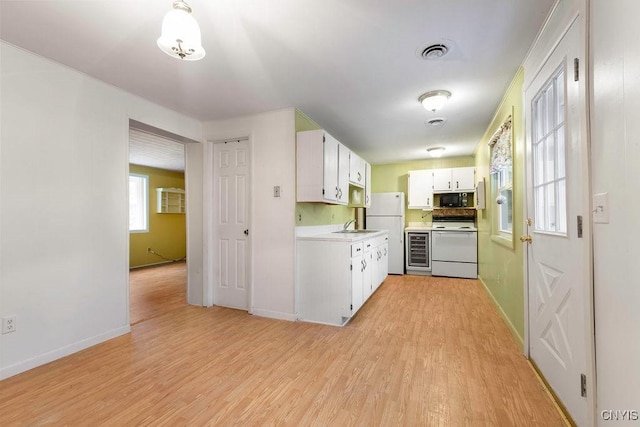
(527, 239)
(246, 232)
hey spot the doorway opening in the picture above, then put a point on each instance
(157, 222)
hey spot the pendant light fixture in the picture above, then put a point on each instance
(434, 100)
(180, 36)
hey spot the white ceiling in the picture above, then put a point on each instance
(150, 149)
(350, 65)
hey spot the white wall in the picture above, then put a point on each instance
(615, 121)
(64, 207)
(272, 139)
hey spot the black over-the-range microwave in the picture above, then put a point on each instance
(453, 200)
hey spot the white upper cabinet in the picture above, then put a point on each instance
(420, 189)
(357, 170)
(367, 187)
(322, 168)
(343, 174)
(454, 180)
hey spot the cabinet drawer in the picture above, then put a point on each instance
(357, 249)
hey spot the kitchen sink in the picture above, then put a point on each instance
(356, 231)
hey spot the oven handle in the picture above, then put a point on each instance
(452, 232)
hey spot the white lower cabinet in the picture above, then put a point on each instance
(335, 278)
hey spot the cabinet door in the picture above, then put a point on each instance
(369, 259)
(342, 175)
(356, 170)
(367, 275)
(463, 179)
(420, 189)
(383, 264)
(357, 274)
(367, 185)
(331, 153)
(442, 180)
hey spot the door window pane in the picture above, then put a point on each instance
(549, 156)
(561, 153)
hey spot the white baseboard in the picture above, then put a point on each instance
(506, 319)
(274, 315)
(59, 353)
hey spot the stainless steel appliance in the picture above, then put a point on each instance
(387, 213)
(453, 200)
(418, 251)
(454, 247)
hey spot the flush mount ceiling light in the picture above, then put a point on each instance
(435, 151)
(434, 100)
(180, 36)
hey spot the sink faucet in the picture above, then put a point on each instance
(348, 223)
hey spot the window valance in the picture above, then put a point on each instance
(500, 146)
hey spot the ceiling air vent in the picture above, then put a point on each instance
(438, 121)
(434, 51)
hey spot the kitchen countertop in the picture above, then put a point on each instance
(344, 237)
(418, 226)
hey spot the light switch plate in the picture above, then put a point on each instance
(601, 208)
(276, 191)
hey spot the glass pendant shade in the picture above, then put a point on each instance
(180, 36)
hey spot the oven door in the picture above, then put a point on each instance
(454, 246)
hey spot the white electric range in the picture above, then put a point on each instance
(454, 248)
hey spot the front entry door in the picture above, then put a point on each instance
(558, 255)
(231, 223)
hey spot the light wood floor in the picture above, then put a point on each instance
(421, 352)
(157, 290)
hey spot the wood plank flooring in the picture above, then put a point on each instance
(156, 290)
(422, 351)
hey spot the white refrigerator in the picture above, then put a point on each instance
(387, 213)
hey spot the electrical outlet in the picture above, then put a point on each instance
(276, 191)
(8, 324)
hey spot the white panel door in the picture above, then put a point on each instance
(558, 259)
(231, 220)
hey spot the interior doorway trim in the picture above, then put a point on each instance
(164, 134)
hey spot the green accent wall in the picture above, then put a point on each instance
(318, 213)
(167, 232)
(500, 262)
(395, 177)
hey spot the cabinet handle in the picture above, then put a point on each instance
(362, 266)
(457, 186)
(449, 185)
(359, 176)
(365, 264)
(340, 193)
